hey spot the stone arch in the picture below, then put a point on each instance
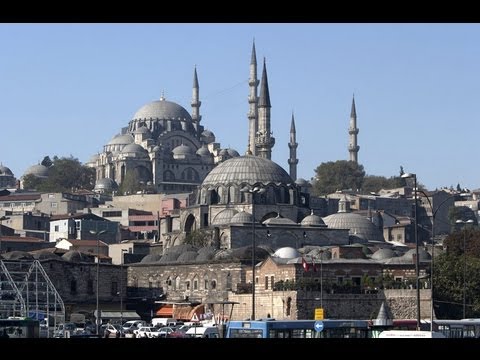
(168, 175)
(190, 224)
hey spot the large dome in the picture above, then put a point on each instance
(249, 170)
(162, 109)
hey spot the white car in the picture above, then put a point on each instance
(146, 332)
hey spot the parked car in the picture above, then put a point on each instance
(147, 332)
(131, 325)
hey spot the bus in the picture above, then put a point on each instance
(299, 329)
(18, 327)
(465, 328)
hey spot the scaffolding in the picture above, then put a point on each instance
(27, 291)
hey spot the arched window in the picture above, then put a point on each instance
(213, 284)
(177, 283)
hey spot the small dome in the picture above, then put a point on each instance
(203, 151)
(242, 217)
(223, 152)
(207, 137)
(382, 254)
(312, 220)
(39, 171)
(17, 255)
(302, 182)
(93, 159)
(287, 253)
(77, 256)
(224, 217)
(182, 150)
(134, 150)
(121, 140)
(279, 221)
(151, 258)
(106, 184)
(423, 255)
(360, 228)
(233, 152)
(179, 249)
(205, 254)
(188, 256)
(224, 255)
(162, 109)
(46, 255)
(5, 171)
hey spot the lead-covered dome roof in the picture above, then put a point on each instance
(359, 226)
(162, 109)
(247, 169)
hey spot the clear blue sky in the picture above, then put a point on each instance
(67, 89)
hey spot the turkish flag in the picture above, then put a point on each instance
(304, 264)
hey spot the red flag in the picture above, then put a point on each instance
(304, 264)
(314, 265)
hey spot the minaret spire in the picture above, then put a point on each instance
(293, 161)
(196, 103)
(253, 102)
(264, 140)
(353, 132)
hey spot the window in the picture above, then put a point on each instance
(206, 284)
(195, 284)
(56, 227)
(53, 204)
(73, 286)
(90, 286)
(272, 281)
(213, 284)
(266, 282)
(187, 285)
(114, 288)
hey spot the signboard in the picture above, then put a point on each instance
(194, 318)
(318, 326)
(319, 314)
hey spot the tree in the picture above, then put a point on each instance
(449, 276)
(198, 238)
(339, 175)
(64, 175)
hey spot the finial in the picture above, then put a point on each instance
(162, 97)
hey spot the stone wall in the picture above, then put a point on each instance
(400, 303)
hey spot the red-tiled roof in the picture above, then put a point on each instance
(21, 239)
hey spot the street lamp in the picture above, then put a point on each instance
(255, 190)
(434, 213)
(417, 260)
(465, 223)
(321, 278)
(97, 234)
(121, 286)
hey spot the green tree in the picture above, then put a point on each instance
(339, 175)
(198, 238)
(64, 175)
(449, 276)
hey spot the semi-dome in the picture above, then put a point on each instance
(5, 171)
(287, 253)
(182, 150)
(232, 152)
(247, 170)
(384, 253)
(360, 228)
(203, 151)
(135, 150)
(242, 217)
(162, 109)
(39, 170)
(224, 217)
(302, 182)
(120, 139)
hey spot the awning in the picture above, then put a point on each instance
(165, 311)
(127, 315)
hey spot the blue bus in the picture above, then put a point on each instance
(299, 329)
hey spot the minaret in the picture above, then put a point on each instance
(293, 161)
(253, 102)
(264, 140)
(353, 132)
(196, 103)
